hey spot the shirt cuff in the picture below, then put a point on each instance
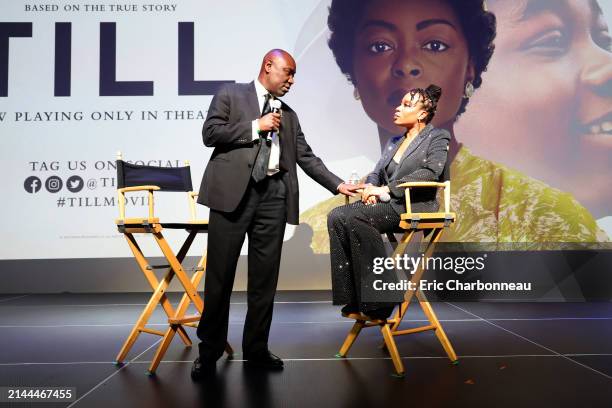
(255, 130)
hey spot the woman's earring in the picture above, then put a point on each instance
(469, 90)
(356, 94)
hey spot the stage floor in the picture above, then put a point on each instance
(510, 354)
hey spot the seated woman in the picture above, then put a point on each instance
(355, 229)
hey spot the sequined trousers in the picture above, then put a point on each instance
(355, 241)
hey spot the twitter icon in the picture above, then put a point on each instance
(74, 184)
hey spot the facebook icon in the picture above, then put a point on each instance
(32, 184)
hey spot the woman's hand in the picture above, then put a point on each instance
(371, 194)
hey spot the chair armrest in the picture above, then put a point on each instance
(121, 196)
(191, 196)
(422, 184)
(137, 188)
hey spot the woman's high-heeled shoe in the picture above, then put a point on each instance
(379, 314)
(351, 308)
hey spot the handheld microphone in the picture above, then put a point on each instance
(275, 106)
(384, 198)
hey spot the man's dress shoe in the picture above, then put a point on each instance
(202, 369)
(264, 359)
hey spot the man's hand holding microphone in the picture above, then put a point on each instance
(271, 122)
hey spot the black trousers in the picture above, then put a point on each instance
(261, 216)
(355, 240)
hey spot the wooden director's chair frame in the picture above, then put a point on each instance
(411, 223)
(176, 317)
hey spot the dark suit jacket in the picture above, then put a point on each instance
(423, 160)
(228, 128)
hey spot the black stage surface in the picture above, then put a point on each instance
(511, 354)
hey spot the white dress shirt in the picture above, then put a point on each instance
(275, 147)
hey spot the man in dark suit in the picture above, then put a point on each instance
(251, 187)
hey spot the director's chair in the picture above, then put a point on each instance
(410, 223)
(139, 178)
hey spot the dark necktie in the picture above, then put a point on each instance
(260, 168)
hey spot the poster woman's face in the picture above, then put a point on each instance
(545, 106)
(402, 45)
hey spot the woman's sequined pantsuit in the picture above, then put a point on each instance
(355, 240)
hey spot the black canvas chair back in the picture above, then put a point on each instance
(166, 178)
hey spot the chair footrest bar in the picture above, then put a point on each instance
(149, 267)
(194, 269)
(368, 321)
(151, 331)
(415, 330)
(184, 319)
(372, 323)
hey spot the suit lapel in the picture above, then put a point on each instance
(415, 143)
(285, 139)
(391, 150)
(284, 129)
(253, 104)
(388, 156)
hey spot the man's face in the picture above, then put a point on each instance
(281, 71)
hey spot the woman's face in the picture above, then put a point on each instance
(545, 106)
(409, 111)
(402, 45)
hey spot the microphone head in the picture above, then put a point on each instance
(275, 104)
(384, 198)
